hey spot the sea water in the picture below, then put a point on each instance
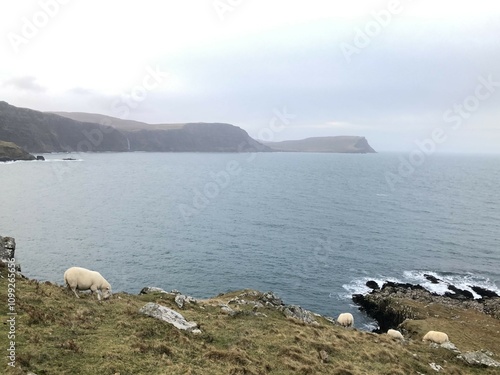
(313, 228)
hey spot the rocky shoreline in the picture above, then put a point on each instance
(384, 303)
(11, 152)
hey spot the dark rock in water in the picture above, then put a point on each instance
(458, 296)
(357, 298)
(459, 293)
(372, 284)
(485, 293)
(40, 157)
(402, 286)
(432, 279)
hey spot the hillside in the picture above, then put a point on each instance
(40, 132)
(242, 332)
(10, 152)
(198, 137)
(339, 144)
(117, 123)
(48, 132)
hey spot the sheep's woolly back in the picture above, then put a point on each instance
(395, 334)
(84, 278)
(345, 319)
(436, 336)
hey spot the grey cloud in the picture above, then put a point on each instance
(26, 83)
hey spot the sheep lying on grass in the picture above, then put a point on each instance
(345, 320)
(395, 334)
(436, 336)
(84, 279)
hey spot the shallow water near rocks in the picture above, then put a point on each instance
(313, 228)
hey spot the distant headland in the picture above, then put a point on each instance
(11, 152)
(339, 144)
(45, 132)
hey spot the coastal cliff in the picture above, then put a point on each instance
(394, 303)
(39, 132)
(195, 137)
(49, 132)
(11, 152)
(339, 144)
(185, 137)
(472, 324)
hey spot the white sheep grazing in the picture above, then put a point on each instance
(395, 334)
(84, 279)
(345, 319)
(436, 336)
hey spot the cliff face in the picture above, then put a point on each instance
(10, 152)
(190, 137)
(384, 306)
(44, 132)
(340, 144)
(49, 132)
(197, 137)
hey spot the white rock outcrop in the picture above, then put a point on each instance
(479, 359)
(170, 316)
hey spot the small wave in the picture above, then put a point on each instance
(59, 160)
(38, 161)
(461, 281)
(370, 327)
(358, 286)
(17, 162)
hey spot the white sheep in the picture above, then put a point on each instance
(436, 336)
(84, 279)
(395, 334)
(345, 319)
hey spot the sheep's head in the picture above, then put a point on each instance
(106, 292)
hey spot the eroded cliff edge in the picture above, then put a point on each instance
(415, 310)
(11, 152)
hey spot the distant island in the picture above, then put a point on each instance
(45, 132)
(340, 144)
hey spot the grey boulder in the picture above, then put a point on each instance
(170, 316)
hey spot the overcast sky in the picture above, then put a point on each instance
(393, 71)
